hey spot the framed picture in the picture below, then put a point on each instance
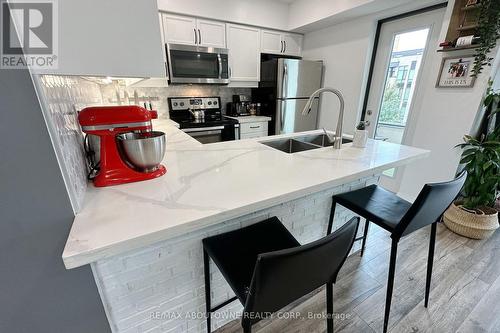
(455, 72)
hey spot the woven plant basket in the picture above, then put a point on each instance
(471, 224)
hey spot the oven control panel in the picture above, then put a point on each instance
(194, 103)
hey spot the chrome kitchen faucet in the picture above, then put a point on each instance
(338, 132)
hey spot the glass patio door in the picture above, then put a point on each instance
(402, 51)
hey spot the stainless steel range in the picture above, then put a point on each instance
(201, 117)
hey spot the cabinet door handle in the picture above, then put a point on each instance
(254, 126)
(284, 42)
(195, 37)
(199, 35)
(281, 49)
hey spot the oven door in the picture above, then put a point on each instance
(196, 64)
(206, 134)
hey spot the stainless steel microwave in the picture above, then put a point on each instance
(197, 64)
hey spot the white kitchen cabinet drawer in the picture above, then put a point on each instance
(253, 135)
(253, 127)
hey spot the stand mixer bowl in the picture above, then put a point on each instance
(142, 150)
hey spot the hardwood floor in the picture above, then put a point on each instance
(465, 290)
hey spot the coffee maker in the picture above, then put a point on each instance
(128, 148)
(239, 106)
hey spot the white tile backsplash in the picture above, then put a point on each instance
(63, 96)
(184, 90)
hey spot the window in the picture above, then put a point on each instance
(401, 75)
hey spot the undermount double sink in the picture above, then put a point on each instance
(301, 143)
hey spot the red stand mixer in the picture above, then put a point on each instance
(127, 148)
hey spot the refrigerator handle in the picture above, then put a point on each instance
(282, 117)
(279, 117)
(285, 79)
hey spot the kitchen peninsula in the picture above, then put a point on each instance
(143, 240)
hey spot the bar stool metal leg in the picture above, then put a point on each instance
(390, 283)
(430, 261)
(365, 234)
(332, 214)
(247, 327)
(206, 267)
(329, 307)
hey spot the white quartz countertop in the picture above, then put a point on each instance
(250, 119)
(208, 184)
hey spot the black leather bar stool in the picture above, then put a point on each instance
(400, 218)
(268, 269)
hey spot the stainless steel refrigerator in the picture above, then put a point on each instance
(284, 89)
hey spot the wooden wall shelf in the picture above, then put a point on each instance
(458, 48)
(473, 7)
(463, 22)
(468, 27)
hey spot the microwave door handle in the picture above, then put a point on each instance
(219, 60)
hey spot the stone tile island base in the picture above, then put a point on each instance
(160, 288)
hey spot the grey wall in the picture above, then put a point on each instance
(37, 294)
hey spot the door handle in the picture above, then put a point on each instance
(199, 35)
(281, 49)
(195, 37)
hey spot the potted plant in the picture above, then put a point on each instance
(360, 135)
(488, 33)
(474, 214)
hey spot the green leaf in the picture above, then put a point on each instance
(488, 100)
(491, 144)
(469, 151)
(467, 159)
(487, 165)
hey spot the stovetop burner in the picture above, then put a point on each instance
(180, 106)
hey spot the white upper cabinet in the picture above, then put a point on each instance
(96, 38)
(179, 29)
(271, 42)
(243, 43)
(292, 44)
(276, 42)
(191, 31)
(211, 33)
